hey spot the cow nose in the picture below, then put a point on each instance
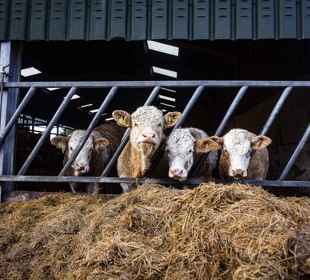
(176, 172)
(239, 173)
(82, 168)
(148, 135)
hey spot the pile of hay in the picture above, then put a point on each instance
(211, 232)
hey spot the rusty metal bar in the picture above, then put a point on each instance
(16, 114)
(89, 130)
(125, 138)
(276, 110)
(296, 153)
(231, 110)
(47, 131)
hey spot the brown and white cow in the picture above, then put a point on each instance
(147, 125)
(94, 155)
(184, 147)
(244, 154)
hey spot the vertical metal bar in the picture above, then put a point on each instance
(89, 130)
(188, 108)
(276, 110)
(296, 153)
(231, 110)
(16, 114)
(125, 138)
(11, 60)
(47, 131)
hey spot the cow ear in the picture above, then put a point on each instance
(60, 142)
(206, 145)
(101, 143)
(260, 142)
(122, 118)
(171, 119)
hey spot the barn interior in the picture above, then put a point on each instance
(181, 60)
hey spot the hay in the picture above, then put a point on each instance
(211, 232)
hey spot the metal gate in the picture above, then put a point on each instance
(153, 87)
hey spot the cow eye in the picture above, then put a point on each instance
(135, 124)
(159, 125)
(190, 151)
(248, 154)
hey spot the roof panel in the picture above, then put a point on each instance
(153, 19)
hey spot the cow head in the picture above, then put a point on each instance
(147, 125)
(67, 144)
(238, 146)
(182, 145)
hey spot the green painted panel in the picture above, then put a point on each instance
(37, 19)
(138, 20)
(4, 17)
(159, 23)
(201, 19)
(18, 20)
(57, 20)
(180, 25)
(288, 19)
(77, 20)
(266, 18)
(98, 19)
(222, 19)
(244, 19)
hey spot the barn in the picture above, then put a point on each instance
(68, 64)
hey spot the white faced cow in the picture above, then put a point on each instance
(244, 154)
(94, 155)
(147, 125)
(184, 147)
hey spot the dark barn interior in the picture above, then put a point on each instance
(197, 60)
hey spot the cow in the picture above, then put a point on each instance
(243, 155)
(184, 148)
(95, 153)
(147, 125)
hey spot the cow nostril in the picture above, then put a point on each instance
(153, 136)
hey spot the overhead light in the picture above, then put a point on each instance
(86, 106)
(168, 89)
(164, 48)
(165, 72)
(52, 88)
(109, 119)
(164, 110)
(166, 104)
(93, 111)
(166, 98)
(75, 96)
(30, 71)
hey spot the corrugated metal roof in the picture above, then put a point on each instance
(153, 19)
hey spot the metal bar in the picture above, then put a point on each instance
(16, 114)
(125, 138)
(143, 84)
(163, 181)
(276, 110)
(188, 108)
(89, 130)
(231, 110)
(296, 153)
(47, 131)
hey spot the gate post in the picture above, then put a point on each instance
(10, 64)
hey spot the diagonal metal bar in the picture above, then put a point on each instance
(231, 110)
(16, 114)
(276, 110)
(90, 128)
(188, 108)
(47, 131)
(296, 153)
(125, 138)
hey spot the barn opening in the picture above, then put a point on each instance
(188, 60)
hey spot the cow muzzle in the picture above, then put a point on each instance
(148, 137)
(177, 174)
(81, 170)
(239, 173)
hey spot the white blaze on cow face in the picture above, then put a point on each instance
(239, 145)
(180, 151)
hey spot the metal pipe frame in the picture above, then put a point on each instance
(17, 113)
(47, 131)
(296, 153)
(125, 138)
(142, 84)
(276, 109)
(104, 105)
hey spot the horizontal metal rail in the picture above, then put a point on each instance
(141, 84)
(138, 181)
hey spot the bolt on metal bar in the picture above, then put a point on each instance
(125, 138)
(276, 110)
(296, 153)
(188, 108)
(231, 110)
(47, 131)
(16, 114)
(89, 130)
